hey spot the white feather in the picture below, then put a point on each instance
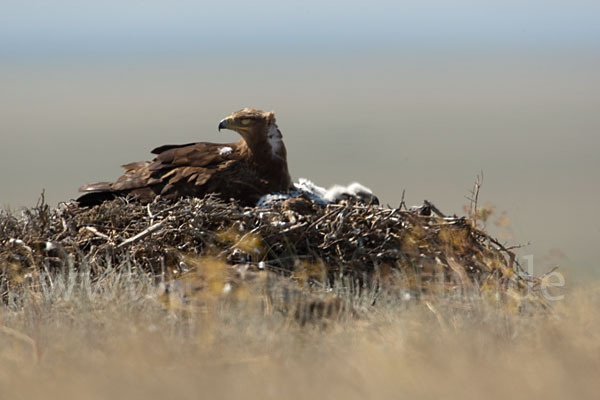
(338, 192)
(275, 139)
(308, 187)
(316, 193)
(225, 151)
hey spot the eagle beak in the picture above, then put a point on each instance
(225, 123)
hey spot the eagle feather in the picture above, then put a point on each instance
(250, 168)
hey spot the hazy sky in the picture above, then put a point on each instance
(88, 26)
(419, 96)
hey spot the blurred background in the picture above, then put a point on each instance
(418, 96)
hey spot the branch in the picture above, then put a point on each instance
(142, 234)
(97, 233)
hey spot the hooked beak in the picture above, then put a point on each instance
(225, 123)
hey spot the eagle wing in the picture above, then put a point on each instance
(176, 170)
(166, 147)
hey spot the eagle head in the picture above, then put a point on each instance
(258, 129)
(248, 121)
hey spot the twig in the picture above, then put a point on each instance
(166, 210)
(511, 255)
(97, 233)
(149, 212)
(475, 197)
(142, 234)
(402, 203)
(541, 278)
(518, 246)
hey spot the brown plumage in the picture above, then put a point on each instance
(245, 170)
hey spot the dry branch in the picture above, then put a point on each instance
(142, 234)
(294, 238)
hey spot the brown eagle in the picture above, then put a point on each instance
(245, 170)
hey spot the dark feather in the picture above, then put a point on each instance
(166, 147)
(245, 173)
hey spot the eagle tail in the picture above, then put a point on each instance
(96, 193)
(91, 199)
(97, 187)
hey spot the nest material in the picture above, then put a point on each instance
(295, 237)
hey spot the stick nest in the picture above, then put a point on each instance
(295, 238)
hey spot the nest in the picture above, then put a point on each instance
(296, 238)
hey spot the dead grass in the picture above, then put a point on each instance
(117, 337)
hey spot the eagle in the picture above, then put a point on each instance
(245, 170)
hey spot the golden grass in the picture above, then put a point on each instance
(117, 338)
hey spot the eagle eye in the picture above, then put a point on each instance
(245, 121)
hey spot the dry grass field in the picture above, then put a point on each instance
(121, 336)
